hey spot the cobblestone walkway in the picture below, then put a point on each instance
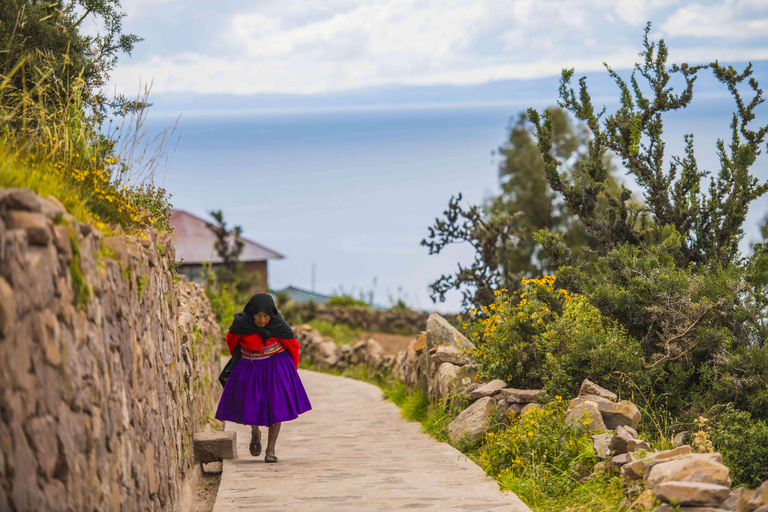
(353, 452)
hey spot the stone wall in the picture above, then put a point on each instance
(107, 364)
(404, 321)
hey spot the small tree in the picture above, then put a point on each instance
(501, 231)
(669, 270)
(50, 32)
(711, 223)
(229, 246)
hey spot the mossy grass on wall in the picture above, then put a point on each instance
(82, 290)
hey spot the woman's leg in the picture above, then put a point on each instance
(274, 430)
(255, 445)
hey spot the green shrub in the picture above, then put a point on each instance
(539, 443)
(416, 406)
(223, 307)
(346, 301)
(342, 334)
(397, 392)
(584, 344)
(738, 376)
(744, 445)
(508, 331)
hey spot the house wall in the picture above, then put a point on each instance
(250, 267)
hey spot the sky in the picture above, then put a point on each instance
(334, 132)
(299, 46)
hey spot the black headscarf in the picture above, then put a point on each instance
(261, 303)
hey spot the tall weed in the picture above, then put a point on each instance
(54, 144)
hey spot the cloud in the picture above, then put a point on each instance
(137, 8)
(732, 19)
(294, 46)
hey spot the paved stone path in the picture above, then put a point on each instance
(353, 452)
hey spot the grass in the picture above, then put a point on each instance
(16, 171)
(82, 290)
(53, 143)
(601, 493)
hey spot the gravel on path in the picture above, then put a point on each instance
(354, 452)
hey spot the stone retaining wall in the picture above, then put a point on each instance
(403, 321)
(107, 364)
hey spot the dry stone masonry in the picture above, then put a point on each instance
(107, 364)
(380, 320)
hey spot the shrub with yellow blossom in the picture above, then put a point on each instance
(547, 337)
(507, 332)
(539, 444)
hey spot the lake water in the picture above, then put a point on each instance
(354, 191)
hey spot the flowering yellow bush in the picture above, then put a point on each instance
(546, 337)
(507, 332)
(538, 443)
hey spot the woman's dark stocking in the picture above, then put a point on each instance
(274, 430)
(255, 445)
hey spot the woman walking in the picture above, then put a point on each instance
(264, 388)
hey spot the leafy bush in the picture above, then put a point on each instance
(738, 375)
(540, 445)
(744, 445)
(222, 305)
(678, 314)
(548, 337)
(582, 344)
(342, 334)
(346, 301)
(507, 332)
(296, 313)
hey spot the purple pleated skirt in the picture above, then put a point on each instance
(263, 392)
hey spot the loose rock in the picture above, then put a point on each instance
(593, 421)
(695, 467)
(636, 445)
(590, 388)
(621, 439)
(587, 398)
(448, 354)
(758, 499)
(445, 382)
(522, 396)
(212, 468)
(473, 421)
(679, 439)
(696, 494)
(602, 444)
(622, 413)
(488, 389)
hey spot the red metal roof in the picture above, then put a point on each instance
(194, 241)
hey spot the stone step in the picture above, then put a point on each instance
(215, 446)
